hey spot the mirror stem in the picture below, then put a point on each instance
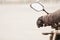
(45, 11)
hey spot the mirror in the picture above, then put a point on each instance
(37, 6)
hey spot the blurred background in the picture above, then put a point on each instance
(18, 20)
(28, 1)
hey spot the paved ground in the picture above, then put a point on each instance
(18, 22)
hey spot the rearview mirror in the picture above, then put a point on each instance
(37, 6)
